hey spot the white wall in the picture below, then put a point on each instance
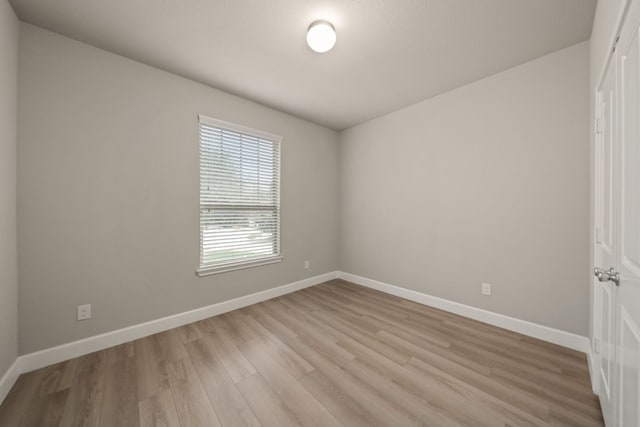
(486, 183)
(8, 141)
(108, 192)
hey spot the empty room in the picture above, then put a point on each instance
(320, 213)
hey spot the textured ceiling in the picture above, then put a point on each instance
(389, 53)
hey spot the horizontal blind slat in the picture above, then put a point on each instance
(239, 196)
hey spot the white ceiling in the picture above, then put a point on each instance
(389, 53)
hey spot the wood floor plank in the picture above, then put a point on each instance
(19, 398)
(328, 348)
(279, 329)
(580, 392)
(151, 368)
(306, 409)
(492, 335)
(578, 366)
(84, 402)
(189, 332)
(553, 348)
(527, 371)
(337, 308)
(191, 401)
(323, 338)
(352, 308)
(507, 355)
(411, 334)
(38, 398)
(366, 293)
(302, 302)
(527, 402)
(170, 345)
(120, 352)
(364, 308)
(421, 409)
(58, 377)
(480, 398)
(381, 373)
(227, 401)
(560, 415)
(343, 407)
(233, 360)
(120, 402)
(318, 328)
(383, 411)
(158, 410)
(365, 339)
(426, 351)
(409, 307)
(333, 354)
(46, 410)
(570, 402)
(239, 326)
(266, 404)
(287, 358)
(574, 369)
(234, 327)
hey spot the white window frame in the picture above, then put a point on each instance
(205, 270)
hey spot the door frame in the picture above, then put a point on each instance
(605, 249)
(595, 321)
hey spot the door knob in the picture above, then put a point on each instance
(607, 275)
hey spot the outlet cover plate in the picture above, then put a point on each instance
(84, 312)
(486, 289)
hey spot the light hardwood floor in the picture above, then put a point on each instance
(331, 355)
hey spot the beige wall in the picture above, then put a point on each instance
(108, 192)
(486, 183)
(8, 140)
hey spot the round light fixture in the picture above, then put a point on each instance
(321, 36)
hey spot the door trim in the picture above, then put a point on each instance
(594, 321)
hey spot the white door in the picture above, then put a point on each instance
(627, 166)
(606, 245)
(617, 293)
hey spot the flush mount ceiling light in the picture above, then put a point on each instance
(321, 36)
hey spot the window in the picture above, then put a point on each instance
(239, 197)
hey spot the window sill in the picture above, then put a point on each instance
(223, 268)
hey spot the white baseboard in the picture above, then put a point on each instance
(9, 379)
(545, 333)
(46, 357)
(49, 356)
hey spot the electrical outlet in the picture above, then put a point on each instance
(84, 312)
(486, 289)
(306, 264)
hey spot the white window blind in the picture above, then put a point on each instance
(239, 197)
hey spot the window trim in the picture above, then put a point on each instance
(255, 262)
(238, 265)
(238, 128)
